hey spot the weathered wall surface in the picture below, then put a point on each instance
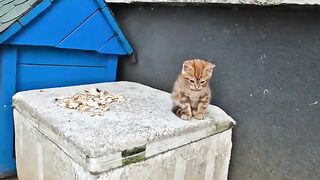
(267, 76)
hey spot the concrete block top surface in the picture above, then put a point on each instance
(142, 120)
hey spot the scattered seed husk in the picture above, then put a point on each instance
(94, 101)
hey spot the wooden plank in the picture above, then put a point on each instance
(109, 16)
(4, 26)
(55, 56)
(15, 27)
(34, 12)
(7, 89)
(113, 46)
(35, 76)
(10, 13)
(101, 3)
(90, 35)
(59, 20)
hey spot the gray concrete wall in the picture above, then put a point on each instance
(267, 76)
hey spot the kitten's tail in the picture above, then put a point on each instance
(177, 111)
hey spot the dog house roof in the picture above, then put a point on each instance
(88, 25)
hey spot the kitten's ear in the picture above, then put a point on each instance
(186, 66)
(210, 68)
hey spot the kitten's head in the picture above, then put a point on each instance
(197, 73)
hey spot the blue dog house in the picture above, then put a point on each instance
(51, 43)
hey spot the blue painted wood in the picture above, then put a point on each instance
(101, 3)
(59, 20)
(64, 25)
(14, 28)
(46, 76)
(113, 46)
(43, 67)
(7, 89)
(34, 12)
(35, 65)
(125, 44)
(67, 24)
(55, 56)
(90, 35)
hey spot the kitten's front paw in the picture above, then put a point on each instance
(199, 116)
(185, 117)
(194, 112)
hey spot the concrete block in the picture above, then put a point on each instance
(137, 139)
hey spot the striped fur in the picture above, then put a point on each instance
(191, 93)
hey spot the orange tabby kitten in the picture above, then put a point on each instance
(191, 93)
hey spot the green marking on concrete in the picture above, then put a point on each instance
(221, 127)
(133, 159)
(135, 150)
(133, 155)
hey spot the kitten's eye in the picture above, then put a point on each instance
(203, 82)
(191, 81)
